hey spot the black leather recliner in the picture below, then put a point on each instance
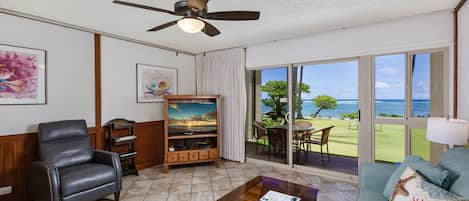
(69, 169)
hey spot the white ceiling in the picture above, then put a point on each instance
(280, 19)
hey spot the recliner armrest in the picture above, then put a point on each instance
(44, 178)
(375, 176)
(111, 159)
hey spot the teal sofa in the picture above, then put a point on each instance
(373, 176)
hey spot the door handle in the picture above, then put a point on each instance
(287, 117)
(359, 115)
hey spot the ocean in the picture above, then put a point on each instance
(390, 107)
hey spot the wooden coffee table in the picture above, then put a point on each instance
(254, 189)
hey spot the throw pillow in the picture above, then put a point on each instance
(435, 175)
(413, 187)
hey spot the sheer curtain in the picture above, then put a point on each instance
(223, 73)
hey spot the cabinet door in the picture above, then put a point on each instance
(183, 156)
(172, 157)
(203, 155)
(194, 155)
(213, 153)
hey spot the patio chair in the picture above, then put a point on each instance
(300, 136)
(278, 139)
(261, 133)
(323, 141)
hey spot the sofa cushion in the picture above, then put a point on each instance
(461, 185)
(79, 178)
(374, 176)
(456, 161)
(413, 186)
(367, 195)
(435, 175)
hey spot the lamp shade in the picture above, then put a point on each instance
(448, 131)
(191, 25)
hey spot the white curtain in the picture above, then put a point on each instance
(223, 73)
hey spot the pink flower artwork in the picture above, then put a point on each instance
(18, 75)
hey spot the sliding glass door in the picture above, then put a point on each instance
(330, 115)
(325, 118)
(267, 133)
(408, 88)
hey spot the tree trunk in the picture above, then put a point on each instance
(300, 103)
(317, 112)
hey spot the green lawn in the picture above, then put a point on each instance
(389, 141)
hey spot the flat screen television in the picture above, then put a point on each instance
(192, 118)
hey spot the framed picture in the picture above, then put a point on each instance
(154, 82)
(22, 76)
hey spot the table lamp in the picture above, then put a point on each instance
(448, 131)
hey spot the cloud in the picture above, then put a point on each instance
(382, 85)
(389, 71)
(423, 85)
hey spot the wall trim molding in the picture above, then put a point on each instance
(97, 92)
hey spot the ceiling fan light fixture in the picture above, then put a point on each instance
(191, 25)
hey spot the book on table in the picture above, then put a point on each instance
(276, 196)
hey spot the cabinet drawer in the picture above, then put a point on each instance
(172, 157)
(194, 155)
(183, 156)
(213, 153)
(203, 155)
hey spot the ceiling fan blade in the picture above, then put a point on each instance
(143, 7)
(233, 15)
(210, 30)
(163, 26)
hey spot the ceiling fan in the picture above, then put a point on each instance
(193, 13)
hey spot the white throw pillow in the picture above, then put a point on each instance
(413, 187)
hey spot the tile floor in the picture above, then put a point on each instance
(208, 183)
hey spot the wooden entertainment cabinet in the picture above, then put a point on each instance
(191, 154)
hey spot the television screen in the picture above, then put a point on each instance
(189, 118)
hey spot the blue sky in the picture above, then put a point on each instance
(185, 110)
(340, 80)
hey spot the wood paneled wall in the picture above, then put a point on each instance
(18, 151)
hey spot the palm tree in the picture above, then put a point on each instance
(299, 114)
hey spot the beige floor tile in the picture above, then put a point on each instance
(133, 198)
(239, 178)
(187, 170)
(201, 187)
(179, 197)
(202, 196)
(181, 188)
(164, 180)
(139, 188)
(216, 172)
(219, 186)
(159, 188)
(163, 196)
(201, 180)
(186, 180)
(183, 175)
(202, 172)
(219, 178)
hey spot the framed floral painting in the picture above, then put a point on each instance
(154, 82)
(22, 76)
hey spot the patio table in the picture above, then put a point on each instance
(296, 131)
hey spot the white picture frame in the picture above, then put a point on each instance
(154, 82)
(23, 73)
